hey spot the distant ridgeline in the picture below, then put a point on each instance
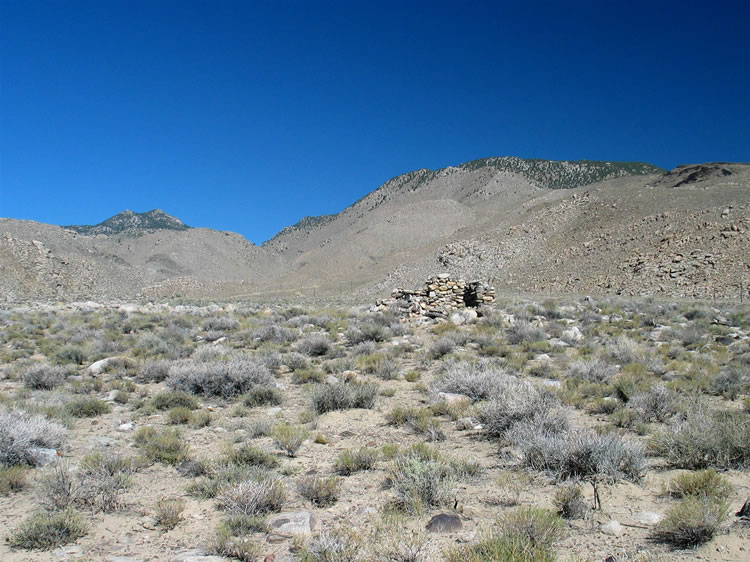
(132, 224)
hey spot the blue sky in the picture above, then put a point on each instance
(246, 116)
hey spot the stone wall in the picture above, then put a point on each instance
(440, 296)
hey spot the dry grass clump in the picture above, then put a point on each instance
(168, 512)
(262, 396)
(702, 483)
(320, 491)
(13, 479)
(218, 377)
(22, 434)
(570, 503)
(419, 420)
(168, 399)
(343, 395)
(86, 407)
(248, 455)
(420, 479)
(523, 535)
(45, 531)
(276, 334)
(595, 370)
(289, 438)
(350, 461)
(693, 521)
(165, 446)
(253, 497)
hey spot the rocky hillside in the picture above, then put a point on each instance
(522, 225)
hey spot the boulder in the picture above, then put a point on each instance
(444, 523)
(293, 523)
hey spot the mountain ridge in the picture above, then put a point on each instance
(129, 223)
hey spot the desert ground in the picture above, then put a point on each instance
(528, 429)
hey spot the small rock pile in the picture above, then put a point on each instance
(440, 296)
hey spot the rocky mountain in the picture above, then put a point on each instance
(522, 225)
(128, 223)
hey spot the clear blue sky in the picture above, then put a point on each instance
(246, 116)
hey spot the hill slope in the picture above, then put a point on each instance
(529, 225)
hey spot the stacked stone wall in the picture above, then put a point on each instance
(440, 296)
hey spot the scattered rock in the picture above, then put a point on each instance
(444, 523)
(293, 523)
(128, 426)
(452, 397)
(41, 456)
(97, 367)
(612, 528)
(195, 556)
(648, 517)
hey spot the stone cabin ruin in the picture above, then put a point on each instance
(440, 296)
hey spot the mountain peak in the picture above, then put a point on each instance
(130, 223)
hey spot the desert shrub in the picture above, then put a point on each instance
(691, 522)
(227, 543)
(337, 545)
(220, 323)
(304, 376)
(13, 479)
(655, 404)
(44, 377)
(253, 497)
(314, 345)
(276, 334)
(420, 479)
(261, 396)
(442, 347)
(200, 418)
(320, 491)
(154, 370)
(260, 427)
(342, 396)
(366, 332)
(570, 503)
(224, 378)
(704, 438)
(707, 483)
(477, 381)
(386, 369)
(22, 433)
(523, 331)
(104, 477)
(520, 402)
(510, 483)
(350, 461)
(165, 446)
(539, 526)
(45, 531)
(365, 348)
(420, 420)
(595, 370)
(289, 438)
(248, 455)
(731, 382)
(85, 407)
(168, 512)
(71, 354)
(179, 415)
(59, 488)
(296, 361)
(580, 454)
(151, 344)
(167, 400)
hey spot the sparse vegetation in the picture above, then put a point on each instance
(45, 531)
